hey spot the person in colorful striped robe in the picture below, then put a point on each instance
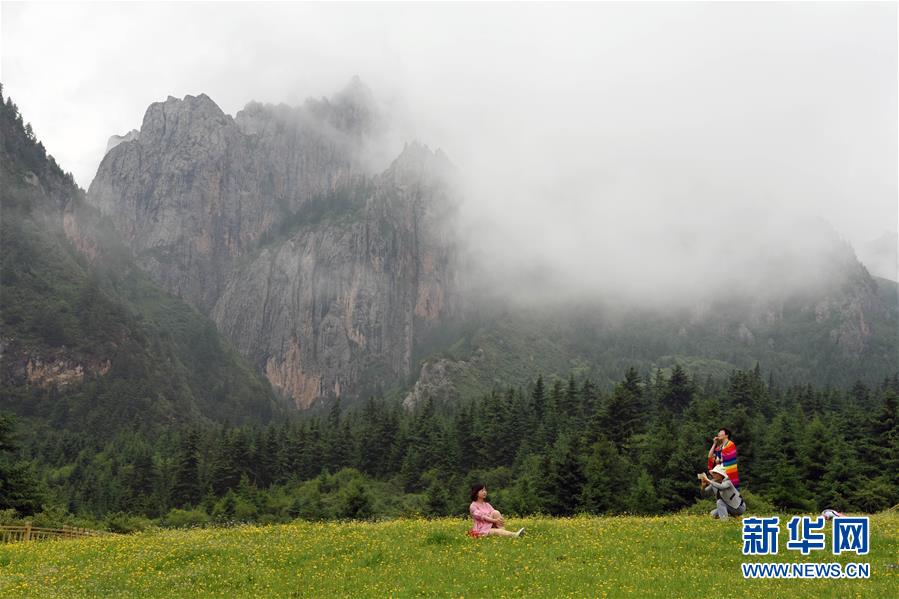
(724, 452)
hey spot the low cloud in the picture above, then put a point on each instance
(650, 151)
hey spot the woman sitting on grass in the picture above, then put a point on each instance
(487, 521)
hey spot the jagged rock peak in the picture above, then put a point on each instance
(351, 114)
(195, 114)
(351, 110)
(201, 103)
(418, 161)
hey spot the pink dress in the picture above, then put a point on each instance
(479, 511)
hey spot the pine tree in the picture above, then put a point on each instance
(781, 466)
(141, 482)
(607, 479)
(553, 419)
(465, 440)
(268, 460)
(497, 440)
(842, 476)
(186, 491)
(817, 452)
(232, 460)
(19, 489)
(340, 448)
(676, 482)
(678, 391)
(887, 438)
(312, 458)
(565, 476)
(355, 501)
(518, 429)
(372, 448)
(538, 399)
(437, 502)
(589, 399)
(642, 498)
(571, 402)
(622, 414)
(530, 492)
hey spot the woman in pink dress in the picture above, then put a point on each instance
(487, 521)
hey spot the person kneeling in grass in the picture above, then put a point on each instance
(487, 521)
(730, 503)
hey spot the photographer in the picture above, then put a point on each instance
(730, 503)
(723, 452)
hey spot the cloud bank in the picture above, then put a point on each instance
(642, 148)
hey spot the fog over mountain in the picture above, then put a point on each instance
(658, 153)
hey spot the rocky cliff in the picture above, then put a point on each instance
(322, 272)
(337, 306)
(197, 188)
(330, 275)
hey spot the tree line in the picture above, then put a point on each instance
(555, 446)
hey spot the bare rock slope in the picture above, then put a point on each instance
(321, 271)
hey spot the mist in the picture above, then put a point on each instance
(650, 153)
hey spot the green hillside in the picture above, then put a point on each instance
(502, 347)
(89, 343)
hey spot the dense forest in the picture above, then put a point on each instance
(556, 447)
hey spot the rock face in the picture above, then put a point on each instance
(320, 271)
(438, 379)
(117, 139)
(194, 191)
(338, 305)
(61, 372)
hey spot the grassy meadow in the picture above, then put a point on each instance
(669, 556)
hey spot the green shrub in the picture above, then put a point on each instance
(178, 518)
(57, 517)
(9, 517)
(123, 523)
(755, 505)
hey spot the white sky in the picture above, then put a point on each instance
(566, 120)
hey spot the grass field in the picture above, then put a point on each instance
(671, 556)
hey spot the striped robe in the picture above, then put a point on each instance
(728, 455)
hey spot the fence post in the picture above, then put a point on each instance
(28, 530)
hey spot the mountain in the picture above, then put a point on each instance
(195, 188)
(338, 278)
(834, 339)
(88, 342)
(811, 313)
(323, 273)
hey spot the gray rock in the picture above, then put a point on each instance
(120, 139)
(320, 272)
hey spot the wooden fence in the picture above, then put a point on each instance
(27, 532)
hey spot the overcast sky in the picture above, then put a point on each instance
(585, 133)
